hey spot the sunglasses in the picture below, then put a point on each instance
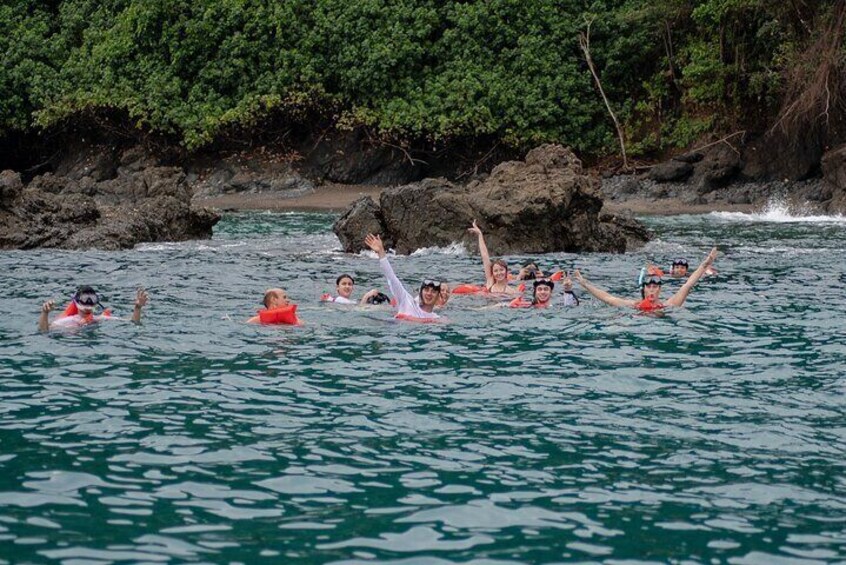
(653, 280)
(432, 284)
(682, 262)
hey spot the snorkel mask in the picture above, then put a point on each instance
(429, 283)
(648, 281)
(86, 299)
(680, 263)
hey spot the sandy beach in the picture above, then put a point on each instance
(337, 197)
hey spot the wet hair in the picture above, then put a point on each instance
(501, 263)
(342, 277)
(541, 282)
(652, 279)
(268, 296)
(378, 298)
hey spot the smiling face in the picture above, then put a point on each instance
(499, 270)
(542, 294)
(678, 270)
(429, 296)
(345, 287)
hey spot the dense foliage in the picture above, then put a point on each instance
(410, 69)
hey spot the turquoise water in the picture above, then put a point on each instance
(714, 434)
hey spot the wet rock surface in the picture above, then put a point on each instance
(543, 204)
(107, 200)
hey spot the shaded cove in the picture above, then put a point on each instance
(583, 434)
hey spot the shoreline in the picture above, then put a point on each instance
(338, 197)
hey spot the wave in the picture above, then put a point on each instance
(779, 210)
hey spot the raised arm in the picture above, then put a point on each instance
(681, 295)
(483, 251)
(395, 287)
(601, 294)
(140, 302)
(43, 319)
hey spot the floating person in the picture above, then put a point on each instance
(541, 296)
(277, 310)
(85, 309)
(344, 285)
(679, 267)
(433, 293)
(496, 272)
(650, 289)
(529, 272)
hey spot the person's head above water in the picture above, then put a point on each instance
(499, 270)
(275, 298)
(86, 299)
(679, 267)
(530, 272)
(651, 288)
(542, 291)
(344, 285)
(430, 290)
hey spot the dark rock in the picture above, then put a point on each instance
(238, 174)
(777, 156)
(363, 217)
(671, 171)
(139, 204)
(718, 167)
(99, 162)
(10, 186)
(834, 179)
(353, 158)
(693, 157)
(543, 204)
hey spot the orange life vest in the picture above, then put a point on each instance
(283, 315)
(72, 310)
(649, 305)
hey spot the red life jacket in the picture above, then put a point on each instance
(72, 310)
(649, 305)
(283, 315)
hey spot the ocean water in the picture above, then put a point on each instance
(714, 434)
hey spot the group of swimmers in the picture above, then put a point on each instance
(85, 309)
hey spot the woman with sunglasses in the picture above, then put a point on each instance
(650, 290)
(80, 312)
(496, 272)
(432, 293)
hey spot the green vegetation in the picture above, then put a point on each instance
(410, 69)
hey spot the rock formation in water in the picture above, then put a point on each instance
(541, 205)
(100, 199)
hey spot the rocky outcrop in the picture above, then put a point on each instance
(543, 204)
(778, 156)
(104, 200)
(834, 179)
(246, 173)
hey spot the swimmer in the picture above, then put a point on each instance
(541, 296)
(679, 268)
(651, 289)
(344, 287)
(530, 272)
(496, 273)
(80, 312)
(277, 309)
(432, 294)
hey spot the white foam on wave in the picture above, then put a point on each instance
(779, 211)
(454, 248)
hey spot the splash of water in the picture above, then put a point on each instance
(779, 210)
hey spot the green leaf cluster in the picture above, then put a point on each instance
(411, 69)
